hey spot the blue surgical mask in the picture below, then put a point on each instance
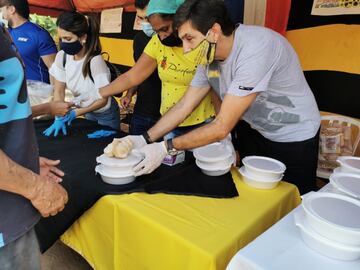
(147, 29)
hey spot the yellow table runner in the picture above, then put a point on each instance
(175, 232)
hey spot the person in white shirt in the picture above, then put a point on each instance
(80, 68)
(257, 74)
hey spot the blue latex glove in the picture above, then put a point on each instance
(70, 116)
(59, 124)
(100, 134)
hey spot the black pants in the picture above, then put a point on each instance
(300, 158)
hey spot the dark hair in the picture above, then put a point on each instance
(202, 14)
(80, 25)
(164, 16)
(141, 4)
(21, 6)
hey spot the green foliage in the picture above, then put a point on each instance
(46, 22)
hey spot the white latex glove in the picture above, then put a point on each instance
(87, 98)
(137, 140)
(154, 154)
(228, 143)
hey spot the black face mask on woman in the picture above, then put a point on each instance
(171, 41)
(71, 48)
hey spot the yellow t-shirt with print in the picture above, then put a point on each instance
(176, 73)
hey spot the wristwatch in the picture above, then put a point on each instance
(147, 137)
(170, 147)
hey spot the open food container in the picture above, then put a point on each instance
(349, 164)
(264, 168)
(334, 216)
(323, 245)
(347, 183)
(258, 182)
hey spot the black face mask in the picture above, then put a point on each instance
(71, 48)
(171, 41)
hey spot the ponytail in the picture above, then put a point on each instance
(92, 45)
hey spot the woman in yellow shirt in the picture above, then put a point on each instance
(164, 52)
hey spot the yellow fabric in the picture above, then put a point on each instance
(176, 73)
(174, 232)
(331, 47)
(120, 50)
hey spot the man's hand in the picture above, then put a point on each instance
(60, 108)
(137, 140)
(125, 102)
(49, 171)
(154, 154)
(48, 197)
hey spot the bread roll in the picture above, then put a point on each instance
(119, 148)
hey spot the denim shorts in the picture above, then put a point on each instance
(110, 117)
(23, 253)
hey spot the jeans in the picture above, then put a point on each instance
(110, 117)
(140, 124)
(21, 254)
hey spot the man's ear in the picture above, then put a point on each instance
(216, 32)
(11, 10)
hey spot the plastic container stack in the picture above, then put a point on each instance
(262, 172)
(330, 224)
(214, 159)
(117, 171)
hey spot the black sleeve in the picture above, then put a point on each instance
(6, 50)
(139, 44)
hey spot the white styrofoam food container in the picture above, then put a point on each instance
(263, 168)
(334, 216)
(323, 245)
(212, 170)
(347, 183)
(349, 164)
(119, 165)
(258, 183)
(214, 152)
(114, 178)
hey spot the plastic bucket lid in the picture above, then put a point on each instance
(212, 152)
(131, 160)
(338, 210)
(347, 183)
(264, 164)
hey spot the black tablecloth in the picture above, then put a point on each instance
(77, 154)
